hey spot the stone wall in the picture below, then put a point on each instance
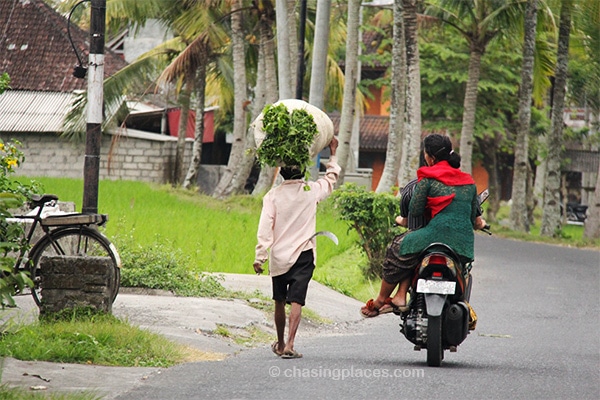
(70, 282)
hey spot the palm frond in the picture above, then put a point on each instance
(143, 71)
(544, 62)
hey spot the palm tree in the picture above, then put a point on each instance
(236, 155)
(350, 88)
(479, 22)
(195, 39)
(283, 51)
(389, 175)
(319, 54)
(197, 21)
(551, 221)
(412, 137)
(592, 223)
(518, 212)
(266, 23)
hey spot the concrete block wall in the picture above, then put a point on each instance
(127, 155)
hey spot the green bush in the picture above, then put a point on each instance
(12, 195)
(162, 266)
(372, 216)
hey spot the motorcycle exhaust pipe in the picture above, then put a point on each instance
(457, 323)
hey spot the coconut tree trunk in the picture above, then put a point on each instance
(592, 223)
(519, 215)
(283, 51)
(551, 221)
(412, 136)
(192, 172)
(318, 73)
(292, 27)
(184, 101)
(470, 106)
(489, 148)
(267, 174)
(350, 82)
(226, 185)
(320, 49)
(393, 152)
(540, 170)
(238, 182)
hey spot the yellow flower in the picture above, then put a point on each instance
(1, 146)
(11, 162)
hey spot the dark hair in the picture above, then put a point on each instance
(293, 172)
(440, 148)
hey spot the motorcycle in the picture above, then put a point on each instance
(576, 213)
(439, 315)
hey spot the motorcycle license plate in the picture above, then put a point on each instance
(438, 287)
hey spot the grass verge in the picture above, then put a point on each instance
(99, 339)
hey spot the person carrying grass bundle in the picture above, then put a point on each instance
(286, 237)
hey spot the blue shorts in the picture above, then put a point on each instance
(292, 286)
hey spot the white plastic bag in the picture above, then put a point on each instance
(322, 120)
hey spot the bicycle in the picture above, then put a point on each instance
(72, 234)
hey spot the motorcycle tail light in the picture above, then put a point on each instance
(438, 259)
(437, 274)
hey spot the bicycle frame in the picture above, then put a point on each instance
(36, 220)
(52, 223)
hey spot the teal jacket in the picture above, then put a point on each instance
(453, 225)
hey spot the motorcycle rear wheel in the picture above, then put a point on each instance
(435, 352)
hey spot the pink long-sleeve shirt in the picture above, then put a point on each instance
(288, 219)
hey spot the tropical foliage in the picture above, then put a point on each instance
(12, 195)
(372, 216)
(469, 54)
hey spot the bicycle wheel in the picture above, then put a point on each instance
(74, 241)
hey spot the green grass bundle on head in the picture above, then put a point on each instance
(288, 137)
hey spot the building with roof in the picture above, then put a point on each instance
(39, 56)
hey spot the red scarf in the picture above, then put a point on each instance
(450, 176)
(443, 172)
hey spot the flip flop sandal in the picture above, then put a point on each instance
(291, 354)
(387, 306)
(369, 310)
(275, 350)
(400, 309)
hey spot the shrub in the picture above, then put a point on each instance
(12, 195)
(372, 216)
(161, 266)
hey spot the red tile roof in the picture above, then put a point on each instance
(35, 50)
(374, 131)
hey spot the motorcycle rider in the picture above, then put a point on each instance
(448, 197)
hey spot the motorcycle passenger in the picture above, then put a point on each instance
(447, 197)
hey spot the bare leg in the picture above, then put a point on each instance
(295, 317)
(280, 324)
(400, 297)
(384, 292)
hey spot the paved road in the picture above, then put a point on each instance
(537, 339)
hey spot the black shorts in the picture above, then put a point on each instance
(293, 285)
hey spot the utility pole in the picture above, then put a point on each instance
(301, 66)
(91, 167)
